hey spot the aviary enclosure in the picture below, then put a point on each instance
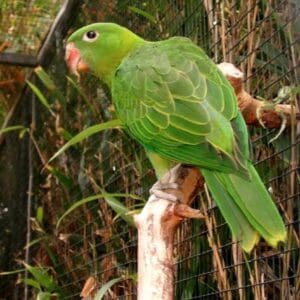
(66, 226)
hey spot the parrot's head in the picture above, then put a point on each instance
(99, 48)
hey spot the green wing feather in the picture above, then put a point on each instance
(177, 104)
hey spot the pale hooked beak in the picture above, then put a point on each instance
(74, 60)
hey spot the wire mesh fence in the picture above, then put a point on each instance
(96, 243)
(24, 24)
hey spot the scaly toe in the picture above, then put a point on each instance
(159, 194)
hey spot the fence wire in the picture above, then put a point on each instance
(94, 244)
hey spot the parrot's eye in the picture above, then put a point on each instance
(90, 36)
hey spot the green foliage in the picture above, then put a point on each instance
(39, 94)
(112, 201)
(43, 282)
(11, 272)
(46, 296)
(64, 180)
(12, 128)
(40, 214)
(87, 133)
(105, 287)
(70, 112)
(143, 13)
(49, 84)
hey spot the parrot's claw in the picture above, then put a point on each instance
(158, 194)
(166, 188)
(163, 186)
(163, 190)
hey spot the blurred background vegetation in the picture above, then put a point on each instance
(95, 242)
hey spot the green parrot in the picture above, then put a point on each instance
(175, 102)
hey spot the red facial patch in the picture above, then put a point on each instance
(74, 61)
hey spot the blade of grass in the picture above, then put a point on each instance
(119, 208)
(45, 78)
(32, 282)
(40, 214)
(39, 94)
(5, 273)
(46, 296)
(49, 84)
(36, 241)
(116, 205)
(86, 133)
(65, 134)
(143, 13)
(11, 128)
(42, 277)
(63, 179)
(81, 93)
(105, 287)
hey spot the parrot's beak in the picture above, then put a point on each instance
(74, 61)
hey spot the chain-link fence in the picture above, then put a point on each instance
(95, 243)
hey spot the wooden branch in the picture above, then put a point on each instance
(271, 118)
(156, 227)
(4, 45)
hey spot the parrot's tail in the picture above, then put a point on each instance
(247, 207)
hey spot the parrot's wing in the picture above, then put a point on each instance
(176, 102)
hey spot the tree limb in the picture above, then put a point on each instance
(249, 106)
(156, 225)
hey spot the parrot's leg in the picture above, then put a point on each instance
(167, 187)
(160, 165)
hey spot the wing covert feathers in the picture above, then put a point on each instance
(174, 101)
(170, 94)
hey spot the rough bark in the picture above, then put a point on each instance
(156, 227)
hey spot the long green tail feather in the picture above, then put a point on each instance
(239, 225)
(247, 207)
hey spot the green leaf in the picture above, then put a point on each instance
(32, 282)
(65, 134)
(35, 241)
(130, 211)
(86, 133)
(143, 13)
(49, 84)
(105, 287)
(67, 182)
(45, 78)
(39, 94)
(81, 93)
(42, 277)
(40, 214)
(5, 273)
(119, 208)
(12, 128)
(22, 132)
(133, 276)
(110, 198)
(45, 296)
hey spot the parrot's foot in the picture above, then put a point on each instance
(159, 194)
(167, 188)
